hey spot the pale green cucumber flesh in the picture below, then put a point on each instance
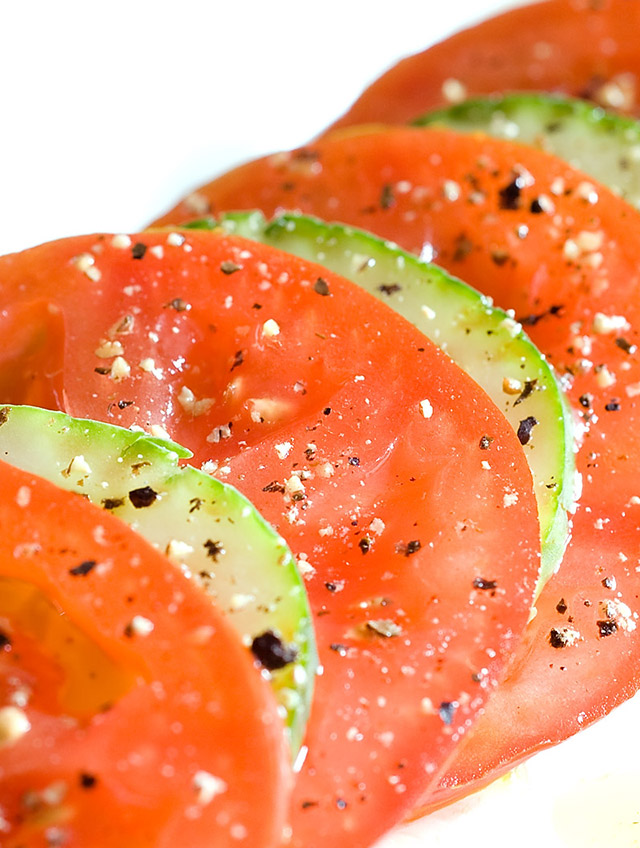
(602, 144)
(206, 527)
(485, 341)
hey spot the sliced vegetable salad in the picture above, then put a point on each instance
(419, 581)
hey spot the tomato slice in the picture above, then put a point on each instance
(362, 443)
(564, 254)
(130, 712)
(578, 47)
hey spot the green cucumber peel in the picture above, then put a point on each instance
(484, 341)
(603, 144)
(206, 527)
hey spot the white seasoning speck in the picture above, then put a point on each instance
(453, 90)
(207, 787)
(510, 499)
(604, 377)
(426, 408)
(157, 250)
(175, 239)
(23, 496)
(159, 432)
(13, 725)
(140, 626)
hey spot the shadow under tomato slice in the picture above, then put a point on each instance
(563, 253)
(362, 444)
(578, 47)
(131, 714)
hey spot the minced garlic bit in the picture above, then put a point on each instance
(85, 262)
(604, 377)
(140, 626)
(121, 241)
(453, 90)
(283, 449)
(510, 499)
(13, 725)
(604, 324)
(175, 239)
(616, 611)
(188, 402)
(294, 487)
(78, 465)
(108, 349)
(120, 369)
(426, 408)
(207, 787)
(377, 526)
(177, 550)
(23, 496)
(511, 386)
(270, 328)
(159, 432)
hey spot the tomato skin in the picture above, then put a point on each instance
(344, 410)
(566, 46)
(563, 253)
(186, 696)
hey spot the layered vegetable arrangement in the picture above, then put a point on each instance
(377, 520)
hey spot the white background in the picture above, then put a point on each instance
(110, 112)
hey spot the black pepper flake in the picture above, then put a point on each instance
(271, 652)
(238, 359)
(331, 587)
(4, 415)
(447, 711)
(586, 400)
(5, 641)
(112, 503)
(389, 288)
(559, 637)
(387, 197)
(606, 628)
(339, 648)
(485, 585)
(273, 486)
(83, 569)
(408, 549)
(561, 606)
(609, 583)
(178, 304)
(499, 256)
(626, 346)
(613, 405)
(354, 460)
(229, 267)
(365, 545)
(256, 306)
(326, 410)
(305, 805)
(142, 497)
(536, 207)
(485, 442)
(510, 195)
(103, 370)
(138, 250)
(213, 549)
(529, 386)
(524, 429)
(321, 287)
(463, 247)
(87, 781)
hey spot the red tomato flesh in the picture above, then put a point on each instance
(138, 736)
(317, 416)
(577, 47)
(564, 254)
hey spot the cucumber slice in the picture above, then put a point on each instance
(602, 144)
(486, 342)
(211, 531)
